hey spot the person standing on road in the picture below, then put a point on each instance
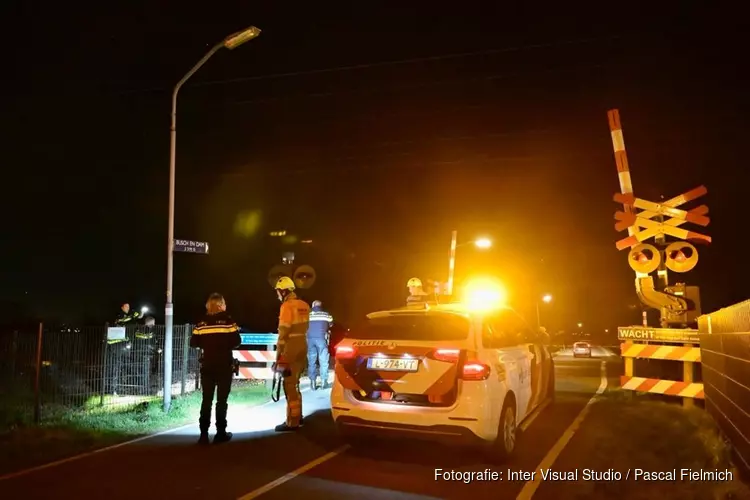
(317, 344)
(294, 317)
(217, 335)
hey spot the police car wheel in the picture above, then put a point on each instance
(504, 446)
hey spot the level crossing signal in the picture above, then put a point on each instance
(303, 276)
(679, 256)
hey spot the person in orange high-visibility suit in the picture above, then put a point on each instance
(291, 353)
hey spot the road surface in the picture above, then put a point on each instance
(311, 464)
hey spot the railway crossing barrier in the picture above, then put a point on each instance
(666, 344)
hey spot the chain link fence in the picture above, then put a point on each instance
(80, 369)
(725, 355)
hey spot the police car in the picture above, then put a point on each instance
(447, 372)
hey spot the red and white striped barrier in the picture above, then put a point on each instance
(667, 387)
(256, 356)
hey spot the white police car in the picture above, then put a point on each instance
(448, 372)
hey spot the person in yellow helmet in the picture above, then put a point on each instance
(416, 292)
(291, 353)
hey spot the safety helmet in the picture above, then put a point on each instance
(414, 282)
(285, 283)
(317, 303)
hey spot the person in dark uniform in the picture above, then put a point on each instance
(217, 335)
(119, 349)
(317, 344)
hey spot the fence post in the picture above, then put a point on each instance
(37, 395)
(185, 356)
(105, 355)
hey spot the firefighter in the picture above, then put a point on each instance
(118, 349)
(144, 347)
(217, 335)
(294, 317)
(416, 292)
(317, 344)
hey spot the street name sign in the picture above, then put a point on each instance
(188, 246)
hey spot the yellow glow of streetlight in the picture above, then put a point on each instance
(547, 298)
(580, 325)
(483, 243)
(236, 39)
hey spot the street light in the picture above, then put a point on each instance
(546, 298)
(580, 325)
(482, 243)
(231, 42)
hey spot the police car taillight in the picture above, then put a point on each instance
(345, 352)
(475, 370)
(449, 355)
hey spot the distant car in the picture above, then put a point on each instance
(441, 373)
(581, 349)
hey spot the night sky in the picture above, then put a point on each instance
(373, 130)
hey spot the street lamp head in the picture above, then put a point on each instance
(483, 243)
(547, 298)
(236, 39)
(580, 325)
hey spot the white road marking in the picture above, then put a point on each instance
(108, 448)
(531, 486)
(297, 472)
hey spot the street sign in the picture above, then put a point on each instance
(644, 333)
(188, 246)
(674, 217)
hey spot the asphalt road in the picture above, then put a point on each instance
(310, 464)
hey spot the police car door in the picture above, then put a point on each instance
(514, 356)
(539, 363)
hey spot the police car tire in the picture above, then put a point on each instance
(499, 451)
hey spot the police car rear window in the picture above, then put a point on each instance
(414, 327)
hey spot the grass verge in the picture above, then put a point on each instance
(624, 432)
(66, 432)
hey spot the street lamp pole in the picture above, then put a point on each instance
(452, 262)
(231, 42)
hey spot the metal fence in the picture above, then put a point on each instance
(79, 368)
(725, 351)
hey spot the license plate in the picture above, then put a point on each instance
(393, 364)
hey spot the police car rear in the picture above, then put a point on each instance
(414, 373)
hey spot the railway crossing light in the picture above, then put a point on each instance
(681, 257)
(644, 258)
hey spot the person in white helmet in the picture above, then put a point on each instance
(416, 292)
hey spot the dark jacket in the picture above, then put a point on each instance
(124, 318)
(218, 335)
(320, 323)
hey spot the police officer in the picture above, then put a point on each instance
(317, 344)
(217, 335)
(294, 317)
(119, 349)
(417, 294)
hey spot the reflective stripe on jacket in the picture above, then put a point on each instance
(294, 318)
(320, 323)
